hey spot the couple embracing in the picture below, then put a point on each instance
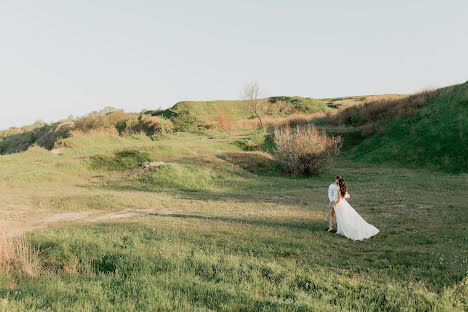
(349, 223)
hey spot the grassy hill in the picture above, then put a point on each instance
(426, 130)
(435, 136)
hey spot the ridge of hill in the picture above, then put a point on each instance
(239, 109)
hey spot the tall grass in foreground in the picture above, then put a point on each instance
(17, 254)
(305, 151)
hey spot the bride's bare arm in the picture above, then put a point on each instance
(338, 200)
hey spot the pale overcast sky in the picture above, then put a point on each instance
(60, 57)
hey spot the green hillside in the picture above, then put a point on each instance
(426, 132)
(435, 137)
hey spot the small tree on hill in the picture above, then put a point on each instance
(251, 94)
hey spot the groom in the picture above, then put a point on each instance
(333, 197)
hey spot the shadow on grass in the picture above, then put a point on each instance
(252, 193)
(308, 225)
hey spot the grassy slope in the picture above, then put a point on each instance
(435, 137)
(240, 109)
(223, 238)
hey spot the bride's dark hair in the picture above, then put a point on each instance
(343, 186)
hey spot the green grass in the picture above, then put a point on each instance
(208, 109)
(435, 137)
(122, 160)
(223, 229)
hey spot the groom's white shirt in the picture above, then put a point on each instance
(333, 192)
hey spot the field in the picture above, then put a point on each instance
(221, 229)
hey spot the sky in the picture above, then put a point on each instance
(60, 58)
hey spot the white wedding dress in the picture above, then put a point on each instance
(350, 224)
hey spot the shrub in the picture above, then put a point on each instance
(298, 104)
(353, 117)
(184, 122)
(255, 141)
(305, 151)
(102, 120)
(275, 108)
(149, 125)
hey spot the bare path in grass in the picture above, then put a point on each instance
(24, 225)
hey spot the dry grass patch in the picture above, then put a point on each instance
(17, 254)
(223, 121)
(279, 122)
(380, 109)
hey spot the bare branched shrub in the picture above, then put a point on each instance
(305, 151)
(380, 109)
(17, 254)
(251, 94)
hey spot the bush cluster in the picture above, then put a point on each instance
(305, 151)
(184, 121)
(149, 125)
(105, 119)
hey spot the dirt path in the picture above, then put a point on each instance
(14, 228)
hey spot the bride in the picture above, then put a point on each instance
(349, 223)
